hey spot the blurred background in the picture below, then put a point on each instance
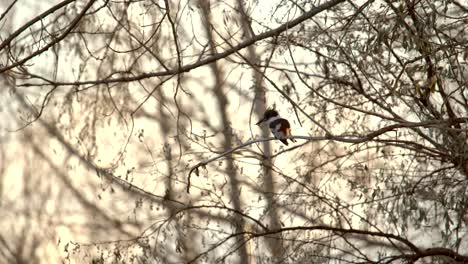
(116, 117)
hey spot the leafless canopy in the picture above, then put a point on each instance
(128, 131)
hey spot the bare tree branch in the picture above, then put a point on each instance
(342, 138)
(56, 40)
(189, 67)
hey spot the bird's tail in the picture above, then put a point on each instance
(284, 141)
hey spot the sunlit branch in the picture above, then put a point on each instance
(213, 58)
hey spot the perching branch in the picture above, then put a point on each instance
(342, 138)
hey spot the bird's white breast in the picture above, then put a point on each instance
(272, 119)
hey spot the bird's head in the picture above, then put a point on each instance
(269, 113)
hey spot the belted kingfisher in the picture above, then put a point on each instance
(280, 127)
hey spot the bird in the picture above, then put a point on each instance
(280, 127)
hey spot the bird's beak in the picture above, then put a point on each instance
(261, 121)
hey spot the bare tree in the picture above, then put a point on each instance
(131, 125)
